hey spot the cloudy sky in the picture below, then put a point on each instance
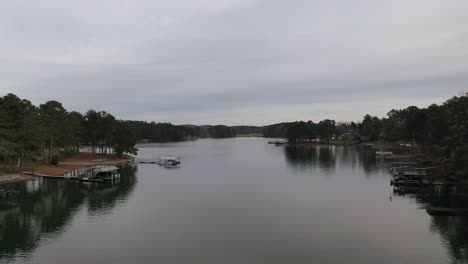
(234, 61)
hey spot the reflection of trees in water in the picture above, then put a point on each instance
(45, 207)
(328, 157)
(305, 157)
(452, 229)
(368, 161)
(301, 156)
(101, 199)
(454, 232)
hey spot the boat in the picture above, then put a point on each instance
(169, 161)
(446, 211)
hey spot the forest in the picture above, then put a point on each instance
(440, 131)
(49, 131)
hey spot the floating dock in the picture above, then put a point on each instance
(99, 174)
(384, 155)
(93, 174)
(445, 211)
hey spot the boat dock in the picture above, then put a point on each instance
(99, 174)
(384, 155)
(167, 162)
(92, 174)
(146, 161)
(411, 176)
(446, 211)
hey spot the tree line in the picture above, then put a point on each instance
(28, 131)
(306, 131)
(438, 130)
(167, 132)
(299, 131)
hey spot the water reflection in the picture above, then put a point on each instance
(45, 207)
(327, 158)
(239, 201)
(103, 198)
(453, 230)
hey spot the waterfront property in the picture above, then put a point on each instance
(99, 174)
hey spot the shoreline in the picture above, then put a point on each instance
(82, 160)
(15, 178)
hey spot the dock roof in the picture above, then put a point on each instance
(105, 169)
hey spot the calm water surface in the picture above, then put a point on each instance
(234, 201)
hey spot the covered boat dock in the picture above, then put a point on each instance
(100, 174)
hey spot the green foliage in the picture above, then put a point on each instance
(371, 127)
(276, 130)
(53, 117)
(301, 131)
(164, 132)
(68, 152)
(441, 130)
(304, 131)
(54, 160)
(20, 129)
(326, 129)
(124, 139)
(27, 131)
(221, 131)
(161, 132)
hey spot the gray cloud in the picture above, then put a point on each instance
(234, 61)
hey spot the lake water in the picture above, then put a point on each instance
(235, 200)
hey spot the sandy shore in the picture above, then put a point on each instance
(81, 160)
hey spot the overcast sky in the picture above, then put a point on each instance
(234, 61)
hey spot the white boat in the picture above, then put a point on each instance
(169, 161)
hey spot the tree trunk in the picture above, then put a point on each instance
(93, 145)
(51, 147)
(44, 154)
